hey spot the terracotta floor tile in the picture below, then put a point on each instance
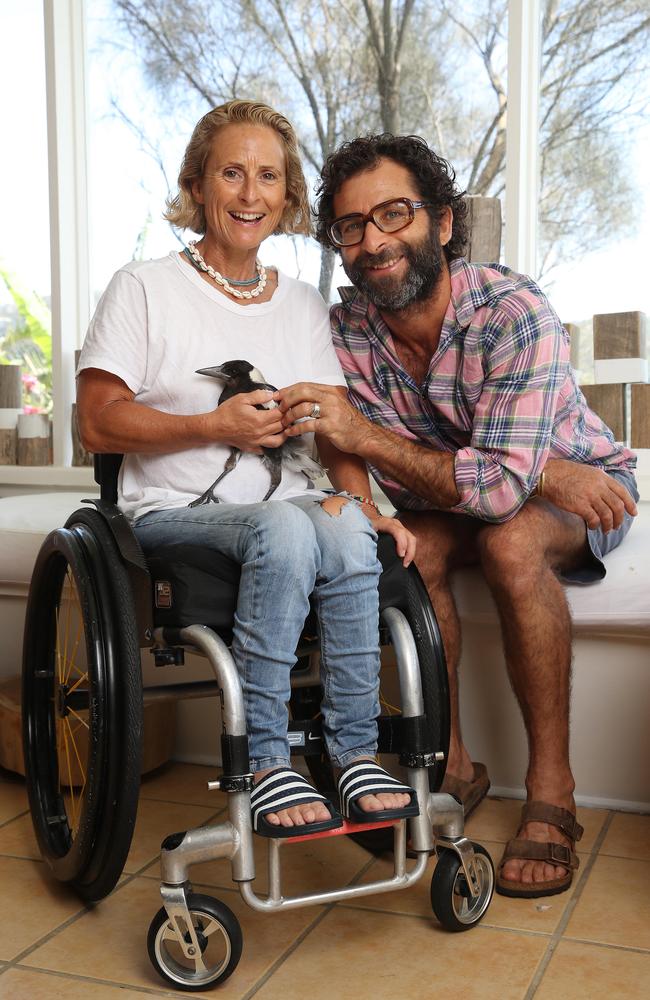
(356, 954)
(13, 796)
(591, 972)
(156, 820)
(183, 783)
(306, 866)
(541, 915)
(498, 819)
(41, 904)
(21, 984)
(628, 837)
(17, 838)
(110, 941)
(614, 907)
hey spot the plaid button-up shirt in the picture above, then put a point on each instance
(499, 394)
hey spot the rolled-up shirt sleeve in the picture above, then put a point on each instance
(526, 363)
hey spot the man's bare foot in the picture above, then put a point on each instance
(561, 829)
(312, 812)
(520, 870)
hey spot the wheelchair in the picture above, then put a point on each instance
(96, 600)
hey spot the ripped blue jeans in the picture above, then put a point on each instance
(288, 550)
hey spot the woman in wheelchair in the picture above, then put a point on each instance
(203, 454)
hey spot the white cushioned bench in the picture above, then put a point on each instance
(611, 689)
(610, 723)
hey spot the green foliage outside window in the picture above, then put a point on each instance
(28, 342)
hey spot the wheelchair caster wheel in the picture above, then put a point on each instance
(451, 898)
(220, 945)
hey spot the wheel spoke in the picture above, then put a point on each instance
(68, 611)
(82, 677)
(83, 722)
(70, 784)
(82, 769)
(213, 926)
(199, 964)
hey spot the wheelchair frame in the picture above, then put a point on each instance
(181, 933)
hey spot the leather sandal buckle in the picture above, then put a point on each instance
(560, 854)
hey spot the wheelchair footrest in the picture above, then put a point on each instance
(341, 831)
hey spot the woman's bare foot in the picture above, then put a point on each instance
(313, 812)
(385, 800)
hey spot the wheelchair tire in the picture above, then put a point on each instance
(82, 706)
(221, 945)
(451, 899)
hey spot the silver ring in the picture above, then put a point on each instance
(314, 413)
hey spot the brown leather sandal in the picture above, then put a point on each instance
(534, 850)
(469, 793)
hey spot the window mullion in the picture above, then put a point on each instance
(522, 135)
(65, 55)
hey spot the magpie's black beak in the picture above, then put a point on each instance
(215, 372)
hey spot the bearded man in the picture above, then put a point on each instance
(463, 406)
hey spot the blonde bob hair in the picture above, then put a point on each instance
(185, 213)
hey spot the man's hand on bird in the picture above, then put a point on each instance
(334, 419)
(239, 423)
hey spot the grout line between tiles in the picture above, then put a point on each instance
(556, 936)
(301, 937)
(124, 881)
(483, 925)
(145, 990)
(607, 944)
(14, 818)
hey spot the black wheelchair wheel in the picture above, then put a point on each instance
(82, 706)
(404, 590)
(220, 942)
(451, 899)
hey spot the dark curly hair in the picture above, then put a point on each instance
(434, 178)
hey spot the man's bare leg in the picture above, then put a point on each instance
(518, 559)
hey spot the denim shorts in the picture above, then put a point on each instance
(601, 542)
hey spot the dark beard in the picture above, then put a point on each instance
(426, 260)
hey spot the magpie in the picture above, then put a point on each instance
(242, 376)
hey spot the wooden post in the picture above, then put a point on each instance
(608, 401)
(620, 335)
(10, 407)
(33, 439)
(640, 433)
(484, 223)
(8, 442)
(11, 396)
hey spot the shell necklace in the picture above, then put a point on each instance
(198, 260)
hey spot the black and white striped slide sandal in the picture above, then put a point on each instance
(281, 789)
(365, 777)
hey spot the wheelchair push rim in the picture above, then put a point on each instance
(81, 741)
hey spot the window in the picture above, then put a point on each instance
(25, 231)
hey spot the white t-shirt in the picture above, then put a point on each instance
(156, 323)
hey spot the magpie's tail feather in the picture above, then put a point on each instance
(296, 459)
